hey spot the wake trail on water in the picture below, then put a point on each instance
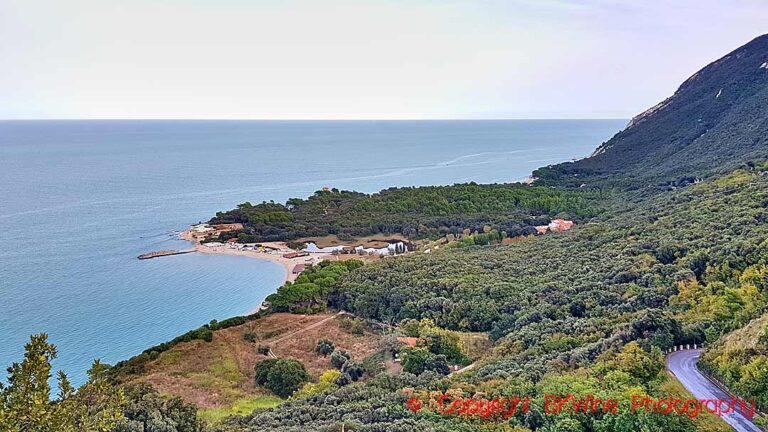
(398, 171)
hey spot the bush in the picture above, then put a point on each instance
(327, 381)
(420, 360)
(354, 370)
(339, 357)
(343, 380)
(249, 336)
(390, 344)
(324, 347)
(352, 325)
(281, 376)
(262, 349)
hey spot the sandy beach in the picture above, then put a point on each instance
(275, 253)
(276, 256)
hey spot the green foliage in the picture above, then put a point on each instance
(562, 300)
(374, 364)
(740, 360)
(419, 360)
(339, 357)
(354, 370)
(327, 381)
(309, 293)
(281, 376)
(146, 410)
(324, 347)
(352, 325)
(436, 340)
(419, 212)
(26, 404)
(639, 365)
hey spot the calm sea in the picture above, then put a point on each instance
(79, 200)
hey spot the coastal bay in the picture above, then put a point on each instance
(82, 199)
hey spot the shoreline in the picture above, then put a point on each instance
(280, 248)
(288, 264)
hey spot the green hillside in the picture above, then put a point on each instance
(740, 360)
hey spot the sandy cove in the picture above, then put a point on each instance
(276, 256)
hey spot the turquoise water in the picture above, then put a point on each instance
(79, 200)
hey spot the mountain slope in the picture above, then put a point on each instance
(716, 120)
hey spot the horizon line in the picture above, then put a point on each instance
(311, 119)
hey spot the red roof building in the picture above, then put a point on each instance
(560, 225)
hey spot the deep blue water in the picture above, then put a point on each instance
(79, 200)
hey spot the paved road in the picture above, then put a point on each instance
(683, 365)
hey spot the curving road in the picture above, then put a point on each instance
(683, 365)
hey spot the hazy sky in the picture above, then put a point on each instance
(323, 59)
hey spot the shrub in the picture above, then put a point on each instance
(281, 376)
(339, 357)
(327, 381)
(324, 347)
(352, 325)
(420, 360)
(354, 370)
(390, 344)
(262, 349)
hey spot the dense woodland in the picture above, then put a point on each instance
(309, 292)
(418, 212)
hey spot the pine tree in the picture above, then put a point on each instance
(26, 405)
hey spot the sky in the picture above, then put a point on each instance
(336, 59)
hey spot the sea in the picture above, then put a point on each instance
(80, 200)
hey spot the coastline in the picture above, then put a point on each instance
(276, 255)
(288, 264)
(281, 248)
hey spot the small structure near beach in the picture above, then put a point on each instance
(557, 225)
(560, 225)
(290, 255)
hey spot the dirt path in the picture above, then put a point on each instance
(302, 330)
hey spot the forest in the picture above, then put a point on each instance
(415, 212)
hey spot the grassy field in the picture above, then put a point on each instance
(218, 376)
(241, 407)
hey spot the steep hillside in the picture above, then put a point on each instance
(716, 120)
(740, 360)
